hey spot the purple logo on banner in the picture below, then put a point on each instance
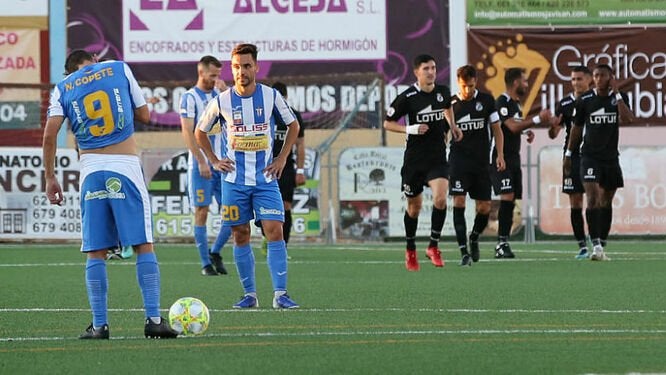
(161, 5)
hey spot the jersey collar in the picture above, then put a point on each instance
(459, 95)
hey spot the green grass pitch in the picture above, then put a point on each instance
(362, 313)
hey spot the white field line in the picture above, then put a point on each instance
(447, 332)
(614, 257)
(357, 310)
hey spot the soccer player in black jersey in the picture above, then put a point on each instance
(598, 114)
(470, 159)
(508, 184)
(427, 107)
(581, 78)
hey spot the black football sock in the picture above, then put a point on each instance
(410, 231)
(286, 227)
(592, 217)
(578, 226)
(460, 227)
(480, 224)
(505, 220)
(436, 224)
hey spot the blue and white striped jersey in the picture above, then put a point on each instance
(192, 105)
(99, 101)
(248, 130)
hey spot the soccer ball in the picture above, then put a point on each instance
(189, 316)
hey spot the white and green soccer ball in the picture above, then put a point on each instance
(189, 316)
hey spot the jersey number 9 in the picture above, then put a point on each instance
(98, 106)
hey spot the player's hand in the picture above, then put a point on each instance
(555, 121)
(53, 190)
(457, 134)
(224, 165)
(566, 166)
(275, 168)
(501, 164)
(530, 136)
(220, 85)
(546, 116)
(300, 179)
(204, 169)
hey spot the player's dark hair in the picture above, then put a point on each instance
(605, 66)
(75, 58)
(466, 72)
(209, 60)
(245, 49)
(421, 59)
(583, 69)
(281, 88)
(512, 74)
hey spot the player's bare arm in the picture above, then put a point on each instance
(300, 160)
(499, 143)
(574, 143)
(455, 130)
(626, 116)
(275, 168)
(517, 125)
(416, 129)
(49, 145)
(187, 129)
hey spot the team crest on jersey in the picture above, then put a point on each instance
(613, 101)
(440, 98)
(478, 106)
(504, 111)
(259, 111)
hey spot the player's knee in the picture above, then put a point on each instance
(241, 234)
(439, 202)
(483, 207)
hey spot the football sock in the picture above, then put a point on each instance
(410, 231)
(606, 220)
(480, 224)
(505, 219)
(460, 226)
(592, 216)
(244, 259)
(148, 275)
(277, 264)
(436, 223)
(286, 227)
(578, 225)
(97, 287)
(201, 241)
(221, 240)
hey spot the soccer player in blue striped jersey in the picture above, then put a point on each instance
(203, 182)
(101, 102)
(247, 114)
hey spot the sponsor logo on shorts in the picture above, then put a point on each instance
(113, 187)
(270, 211)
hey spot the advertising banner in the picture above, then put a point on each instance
(98, 27)
(25, 212)
(372, 205)
(638, 208)
(564, 12)
(173, 215)
(168, 31)
(548, 56)
(19, 63)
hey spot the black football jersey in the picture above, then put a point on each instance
(474, 117)
(600, 117)
(566, 109)
(508, 108)
(281, 132)
(421, 107)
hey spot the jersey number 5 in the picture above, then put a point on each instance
(98, 106)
